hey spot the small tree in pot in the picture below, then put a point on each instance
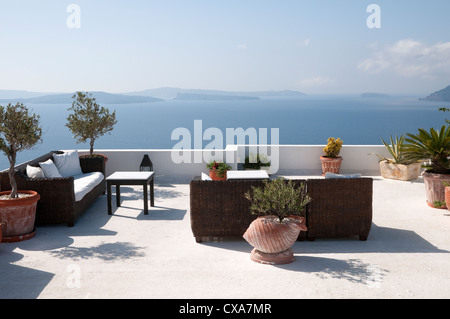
(19, 130)
(281, 205)
(88, 120)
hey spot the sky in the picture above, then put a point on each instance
(315, 46)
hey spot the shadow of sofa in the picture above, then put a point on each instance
(339, 208)
(58, 202)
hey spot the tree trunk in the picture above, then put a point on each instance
(12, 180)
(91, 150)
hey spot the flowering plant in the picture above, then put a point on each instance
(333, 147)
(219, 167)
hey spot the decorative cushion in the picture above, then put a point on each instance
(333, 175)
(206, 177)
(50, 169)
(34, 172)
(68, 164)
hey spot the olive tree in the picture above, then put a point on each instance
(88, 120)
(19, 130)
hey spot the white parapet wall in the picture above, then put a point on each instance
(291, 159)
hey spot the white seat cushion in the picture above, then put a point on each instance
(84, 183)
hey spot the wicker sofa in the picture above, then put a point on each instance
(57, 204)
(339, 207)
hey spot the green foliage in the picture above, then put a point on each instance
(88, 120)
(395, 149)
(333, 147)
(432, 146)
(220, 168)
(19, 130)
(256, 161)
(278, 197)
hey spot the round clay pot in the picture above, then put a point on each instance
(331, 164)
(17, 216)
(434, 189)
(214, 177)
(447, 196)
(1, 233)
(272, 240)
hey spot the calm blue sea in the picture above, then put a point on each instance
(306, 120)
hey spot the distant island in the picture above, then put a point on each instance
(374, 95)
(170, 93)
(212, 97)
(151, 95)
(66, 98)
(440, 96)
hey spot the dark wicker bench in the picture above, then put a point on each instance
(340, 207)
(57, 204)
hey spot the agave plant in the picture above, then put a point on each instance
(432, 147)
(395, 149)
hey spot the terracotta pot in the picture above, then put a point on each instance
(1, 233)
(447, 196)
(434, 189)
(331, 164)
(272, 240)
(214, 177)
(17, 216)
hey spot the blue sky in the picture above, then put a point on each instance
(320, 46)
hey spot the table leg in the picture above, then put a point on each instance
(118, 195)
(145, 199)
(108, 190)
(152, 193)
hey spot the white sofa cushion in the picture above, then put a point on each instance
(84, 183)
(329, 175)
(68, 163)
(34, 172)
(49, 168)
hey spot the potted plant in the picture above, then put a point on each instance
(218, 170)
(281, 206)
(89, 121)
(331, 161)
(433, 149)
(19, 130)
(398, 166)
(257, 162)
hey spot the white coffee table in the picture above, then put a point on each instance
(256, 174)
(130, 178)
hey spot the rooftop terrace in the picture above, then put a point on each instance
(132, 255)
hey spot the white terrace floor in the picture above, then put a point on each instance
(131, 255)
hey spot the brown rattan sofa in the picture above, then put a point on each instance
(57, 204)
(339, 207)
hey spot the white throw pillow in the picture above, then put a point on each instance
(34, 172)
(49, 169)
(206, 177)
(329, 175)
(68, 163)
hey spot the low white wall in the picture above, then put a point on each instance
(292, 159)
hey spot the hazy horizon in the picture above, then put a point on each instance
(395, 47)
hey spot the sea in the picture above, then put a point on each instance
(307, 120)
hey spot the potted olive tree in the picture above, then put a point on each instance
(19, 130)
(433, 150)
(397, 166)
(281, 205)
(331, 161)
(88, 120)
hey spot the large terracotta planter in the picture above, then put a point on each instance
(1, 233)
(272, 240)
(447, 196)
(434, 188)
(399, 171)
(215, 177)
(331, 164)
(17, 216)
